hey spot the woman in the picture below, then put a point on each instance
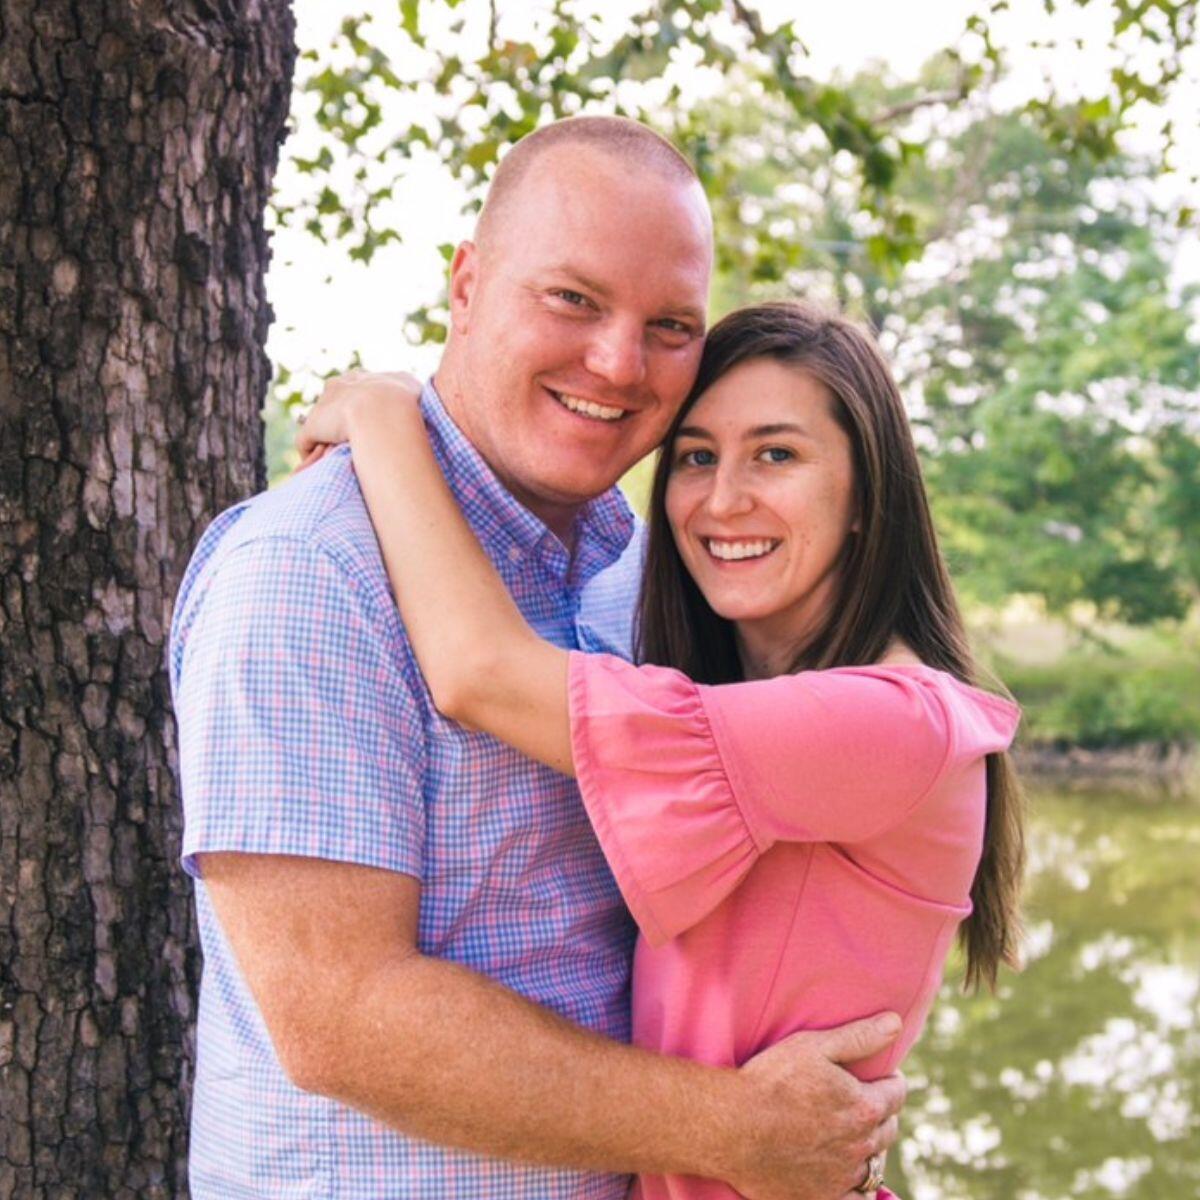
(800, 792)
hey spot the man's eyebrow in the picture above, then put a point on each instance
(577, 276)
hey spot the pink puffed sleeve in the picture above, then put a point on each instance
(686, 785)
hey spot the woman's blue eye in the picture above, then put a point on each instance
(777, 454)
(698, 458)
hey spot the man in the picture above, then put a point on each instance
(412, 941)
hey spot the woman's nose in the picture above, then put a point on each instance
(729, 496)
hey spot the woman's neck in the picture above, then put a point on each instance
(769, 645)
(765, 652)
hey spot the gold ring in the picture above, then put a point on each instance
(874, 1179)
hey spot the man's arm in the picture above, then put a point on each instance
(357, 1013)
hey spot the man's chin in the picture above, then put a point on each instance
(557, 502)
(569, 496)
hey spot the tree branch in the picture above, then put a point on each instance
(950, 96)
(753, 22)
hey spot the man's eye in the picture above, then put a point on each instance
(777, 454)
(577, 299)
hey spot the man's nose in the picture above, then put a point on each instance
(729, 495)
(617, 354)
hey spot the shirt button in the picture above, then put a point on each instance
(514, 554)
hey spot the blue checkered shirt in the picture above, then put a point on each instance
(306, 729)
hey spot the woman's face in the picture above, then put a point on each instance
(760, 500)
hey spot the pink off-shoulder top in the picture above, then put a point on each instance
(797, 851)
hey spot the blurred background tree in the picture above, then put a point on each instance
(1013, 258)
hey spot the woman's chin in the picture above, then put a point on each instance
(739, 610)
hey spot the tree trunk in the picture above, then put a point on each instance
(138, 139)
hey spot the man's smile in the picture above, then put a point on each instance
(587, 408)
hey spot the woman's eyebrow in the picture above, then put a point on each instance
(759, 431)
(779, 427)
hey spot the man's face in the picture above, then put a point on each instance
(580, 318)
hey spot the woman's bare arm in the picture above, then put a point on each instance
(484, 666)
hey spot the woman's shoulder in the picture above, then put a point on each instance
(978, 720)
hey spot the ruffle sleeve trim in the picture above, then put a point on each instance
(656, 791)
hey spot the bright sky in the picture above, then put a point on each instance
(327, 307)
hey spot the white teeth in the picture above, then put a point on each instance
(731, 551)
(601, 412)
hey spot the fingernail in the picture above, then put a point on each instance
(889, 1024)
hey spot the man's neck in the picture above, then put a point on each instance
(558, 518)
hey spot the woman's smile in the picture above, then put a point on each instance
(742, 550)
(761, 499)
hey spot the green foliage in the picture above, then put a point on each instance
(288, 397)
(469, 92)
(1059, 382)
(1097, 686)
(472, 95)
(1096, 699)
(1014, 263)
(1052, 375)
(279, 420)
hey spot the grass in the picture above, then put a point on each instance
(1106, 687)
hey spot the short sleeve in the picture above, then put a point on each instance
(299, 733)
(686, 785)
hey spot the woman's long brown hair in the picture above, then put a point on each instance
(893, 580)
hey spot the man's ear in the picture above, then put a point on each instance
(464, 278)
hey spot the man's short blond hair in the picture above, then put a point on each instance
(627, 140)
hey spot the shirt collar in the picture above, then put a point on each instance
(509, 532)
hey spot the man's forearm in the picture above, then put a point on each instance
(444, 1054)
(450, 1056)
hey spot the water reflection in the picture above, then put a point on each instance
(1081, 1077)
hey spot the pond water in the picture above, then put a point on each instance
(1081, 1077)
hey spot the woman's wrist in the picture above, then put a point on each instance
(372, 411)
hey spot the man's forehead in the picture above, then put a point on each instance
(580, 181)
(612, 204)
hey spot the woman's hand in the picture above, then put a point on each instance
(347, 398)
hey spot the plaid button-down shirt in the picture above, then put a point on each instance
(306, 729)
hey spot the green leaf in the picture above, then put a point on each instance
(410, 11)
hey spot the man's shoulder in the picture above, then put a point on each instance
(321, 510)
(318, 514)
(311, 535)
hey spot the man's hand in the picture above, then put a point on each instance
(816, 1125)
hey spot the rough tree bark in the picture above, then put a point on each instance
(138, 139)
